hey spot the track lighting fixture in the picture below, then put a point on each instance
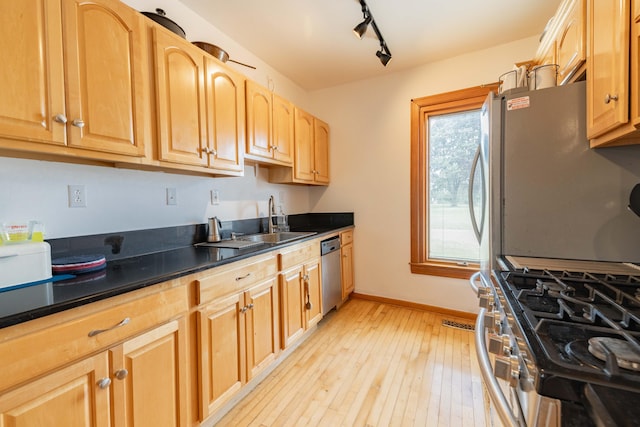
(383, 54)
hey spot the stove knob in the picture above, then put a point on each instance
(487, 301)
(492, 322)
(508, 369)
(500, 345)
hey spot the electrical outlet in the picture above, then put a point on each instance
(215, 197)
(77, 196)
(172, 197)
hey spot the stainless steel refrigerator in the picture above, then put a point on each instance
(546, 193)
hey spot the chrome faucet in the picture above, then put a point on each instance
(272, 213)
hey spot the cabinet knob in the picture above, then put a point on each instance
(104, 383)
(60, 118)
(609, 98)
(121, 374)
(78, 123)
(250, 306)
(205, 150)
(244, 309)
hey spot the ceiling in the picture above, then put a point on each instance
(312, 43)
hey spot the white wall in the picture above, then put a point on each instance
(370, 155)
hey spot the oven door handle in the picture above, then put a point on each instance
(476, 277)
(495, 392)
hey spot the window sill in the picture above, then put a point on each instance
(444, 269)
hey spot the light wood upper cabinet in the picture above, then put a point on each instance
(321, 151)
(106, 76)
(571, 41)
(225, 117)
(311, 153)
(181, 103)
(304, 163)
(635, 64)
(101, 102)
(283, 129)
(270, 126)
(608, 66)
(32, 71)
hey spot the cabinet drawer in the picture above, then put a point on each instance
(235, 277)
(346, 237)
(298, 254)
(27, 356)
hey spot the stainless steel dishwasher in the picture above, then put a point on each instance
(331, 274)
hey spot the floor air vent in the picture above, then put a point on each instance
(458, 325)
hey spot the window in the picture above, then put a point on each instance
(445, 131)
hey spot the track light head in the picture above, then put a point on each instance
(384, 57)
(361, 28)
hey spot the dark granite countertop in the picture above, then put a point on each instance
(143, 258)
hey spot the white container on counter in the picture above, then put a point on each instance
(24, 263)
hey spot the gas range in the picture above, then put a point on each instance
(569, 336)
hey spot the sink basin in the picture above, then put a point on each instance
(279, 237)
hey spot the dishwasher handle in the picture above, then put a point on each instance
(329, 245)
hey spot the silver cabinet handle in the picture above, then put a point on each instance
(104, 383)
(213, 151)
(609, 98)
(60, 118)
(250, 306)
(121, 374)
(95, 332)
(78, 123)
(243, 277)
(244, 309)
(205, 150)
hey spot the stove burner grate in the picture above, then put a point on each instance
(621, 351)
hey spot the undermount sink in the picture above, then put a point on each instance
(278, 237)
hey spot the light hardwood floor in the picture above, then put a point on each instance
(372, 364)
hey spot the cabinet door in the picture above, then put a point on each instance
(259, 122)
(151, 368)
(347, 270)
(283, 129)
(635, 63)
(312, 293)
(321, 151)
(225, 117)
(303, 165)
(70, 397)
(571, 42)
(608, 65)
(222, 352)
(180, 103)
(262, 326)
(32, 72)
(106, 76)
(291, 306)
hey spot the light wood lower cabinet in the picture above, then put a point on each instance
(301, 292)
(149, 378)
(141, 382)
(101, 368)
(346, 252)
(69, 397)
(238, 331)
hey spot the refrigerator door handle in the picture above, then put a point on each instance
(474, 223)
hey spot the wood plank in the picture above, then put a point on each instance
(372, 364)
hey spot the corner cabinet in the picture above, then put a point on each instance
(74, 75)
(270, 126)
(311, 153)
